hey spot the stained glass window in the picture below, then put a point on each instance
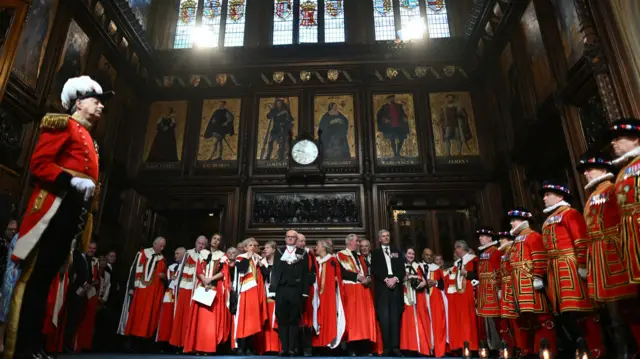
(384, 20)
(206, 29)
(308, 32)
(283, 22)
(409, 13)
(334, 21)
(234, 28)
(186, 24)
(437, 19)
(211, 17)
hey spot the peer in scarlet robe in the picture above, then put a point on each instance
(251, 311)
(463, 320)
(437, 305)
(362, 326)
(141, 310)
(329, 317)
(84, 336)
(184, 291)
(564, 234)
(415, 326)
(207, 326)
(268, 341)
(53, 329)
(168, 302)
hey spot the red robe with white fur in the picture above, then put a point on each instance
(251, 313)
(185, 280)
(463, 320)
(329, 317)
(168, 301)
(53, 329)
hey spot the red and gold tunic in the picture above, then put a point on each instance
(628, 196)
(507, 302)
(488, 271)
(64, 150)
(564, 234)
(607, 277)
(528, 258)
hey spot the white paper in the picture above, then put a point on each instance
(203, 296)
(91, 292)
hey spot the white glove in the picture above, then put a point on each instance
(475, 282)
(582, 272)
(84, 186)
(538, 283)
(499, 295)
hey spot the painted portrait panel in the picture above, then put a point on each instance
(34, 40)
(219, 131)
(277, 117)
(543, 81)
(569, 26)
(6, 19)
(72, 61)
(165, 132)
(334, 125)
(454, 127)
(395, 126)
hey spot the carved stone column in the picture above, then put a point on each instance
(594, 52)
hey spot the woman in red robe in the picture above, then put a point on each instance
(207, 326)
(415, 327)
(268, 339)
(251, 311)
(329, 317)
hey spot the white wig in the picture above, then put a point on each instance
(78, 87)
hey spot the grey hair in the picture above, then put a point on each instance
(181, 249)
(271, 244)
(231, 249)
(383, 231)
(350, 238)
(159, 239)
(327, 244)
(462, 244)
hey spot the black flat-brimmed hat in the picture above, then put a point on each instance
(555, 187)
(520, 213)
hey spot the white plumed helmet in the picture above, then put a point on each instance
(80, 88)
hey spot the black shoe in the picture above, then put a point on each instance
(352, 353)
(283, 353)
(396, 353)
(44, 355)
(385, 353)
(292, 353)
(308, 353)
(248, 352)
(240, 352)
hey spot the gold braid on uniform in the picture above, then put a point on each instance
(54, 121)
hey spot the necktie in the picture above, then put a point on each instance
(387, 251)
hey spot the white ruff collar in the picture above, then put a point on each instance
(596, 181)
(465, 259)
(505, 246)
(627, 156)
(519, 228)
(482, 248)
(432, 267)
(556, 206)
(324, 259)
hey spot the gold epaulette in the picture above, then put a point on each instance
(54, 121)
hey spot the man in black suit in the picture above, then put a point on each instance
(387, 270)
(80, 283)
(290, 282)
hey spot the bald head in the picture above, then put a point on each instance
(427, 255)
(159, 244)
(301, 241)
(291, 237)
(201, 243)
(179, 254)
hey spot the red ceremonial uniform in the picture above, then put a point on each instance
(251, 312)
(330, 324)
(358, 301)
(509, 330)
(528, 259)
(415, 324)
(463, 321)
(488, 271)
(141, 312)
(564, 235)
(628, 196)
(64, 150)
(168, 302)
(307, 313)
(268, 340)
(84, 338)
(437, 305)
(607, 276)
(185, 283)
(56, 314)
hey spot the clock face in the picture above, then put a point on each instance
(304, 152)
